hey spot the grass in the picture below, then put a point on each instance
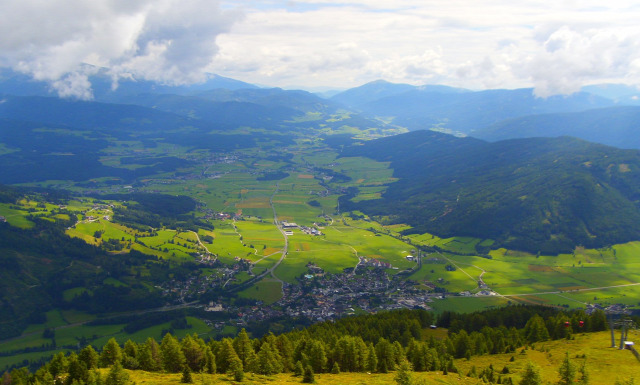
(15, 217)
(267, 290)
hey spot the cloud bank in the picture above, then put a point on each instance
(554, 47)
(168, 41)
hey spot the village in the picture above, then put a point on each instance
(317, 295)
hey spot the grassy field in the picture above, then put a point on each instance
(267, 290)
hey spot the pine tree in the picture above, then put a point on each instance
(186, 375)
(298, 369)
(308, 377)
(335, 369)
(210, 361)
(535, 330)
(149, 356)
(567, 372)
(584, 375)
(244, 348)
(58, 365)
(226, 356)
(130, 349)
(111, 353)
(235, 369)
(94, 378)
(193, 353)
(403, 376)
(285, 348)
(317, 356)
(268, 360)
(89, 356)
(372, 358)
(531, 375)
(173, 360)
(77, 370)
(117, 376)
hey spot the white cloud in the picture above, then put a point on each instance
(166, 40)
(555, 47)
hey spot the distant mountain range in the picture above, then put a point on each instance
(614, 126)
(540, 194)
(544, 194)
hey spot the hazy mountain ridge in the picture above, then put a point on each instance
(543, 195)
(614, 126)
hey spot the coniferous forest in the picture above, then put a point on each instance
(381, 343)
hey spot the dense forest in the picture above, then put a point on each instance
(370, 343)
(545, 195)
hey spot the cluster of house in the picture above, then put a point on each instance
(288, 228)
(372, 262)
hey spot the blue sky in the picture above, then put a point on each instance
(555, 47)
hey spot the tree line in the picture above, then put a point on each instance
(390, 341)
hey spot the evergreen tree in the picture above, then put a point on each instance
(77, 370)
(298, 369)
(584, 375)
(6, 379)
(130, 355)
(317, 356)
(462, 345)
(94, 378)
(403, 376)
(173, 360)
(117, 376)
(235, 369)
(193, 352)
(567, 371)
(285, 348)
(385, 355)
(308, 377)
(186, 375)
(111, 353)
(226, 356)
(268, 360)
(58, 364)
(210, 361)
(89, 356)
(43, 376)
(372, 358)
(535, 330)
(335, 369)
(244, 348)
(149, 356)
(130, 349)
(531, 375)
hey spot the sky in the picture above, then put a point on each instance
(556, 47)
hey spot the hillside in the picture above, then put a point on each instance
(367, 347)
(539, 195)
(614, 126)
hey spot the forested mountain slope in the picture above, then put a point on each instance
(546, 195)
(614, 126)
